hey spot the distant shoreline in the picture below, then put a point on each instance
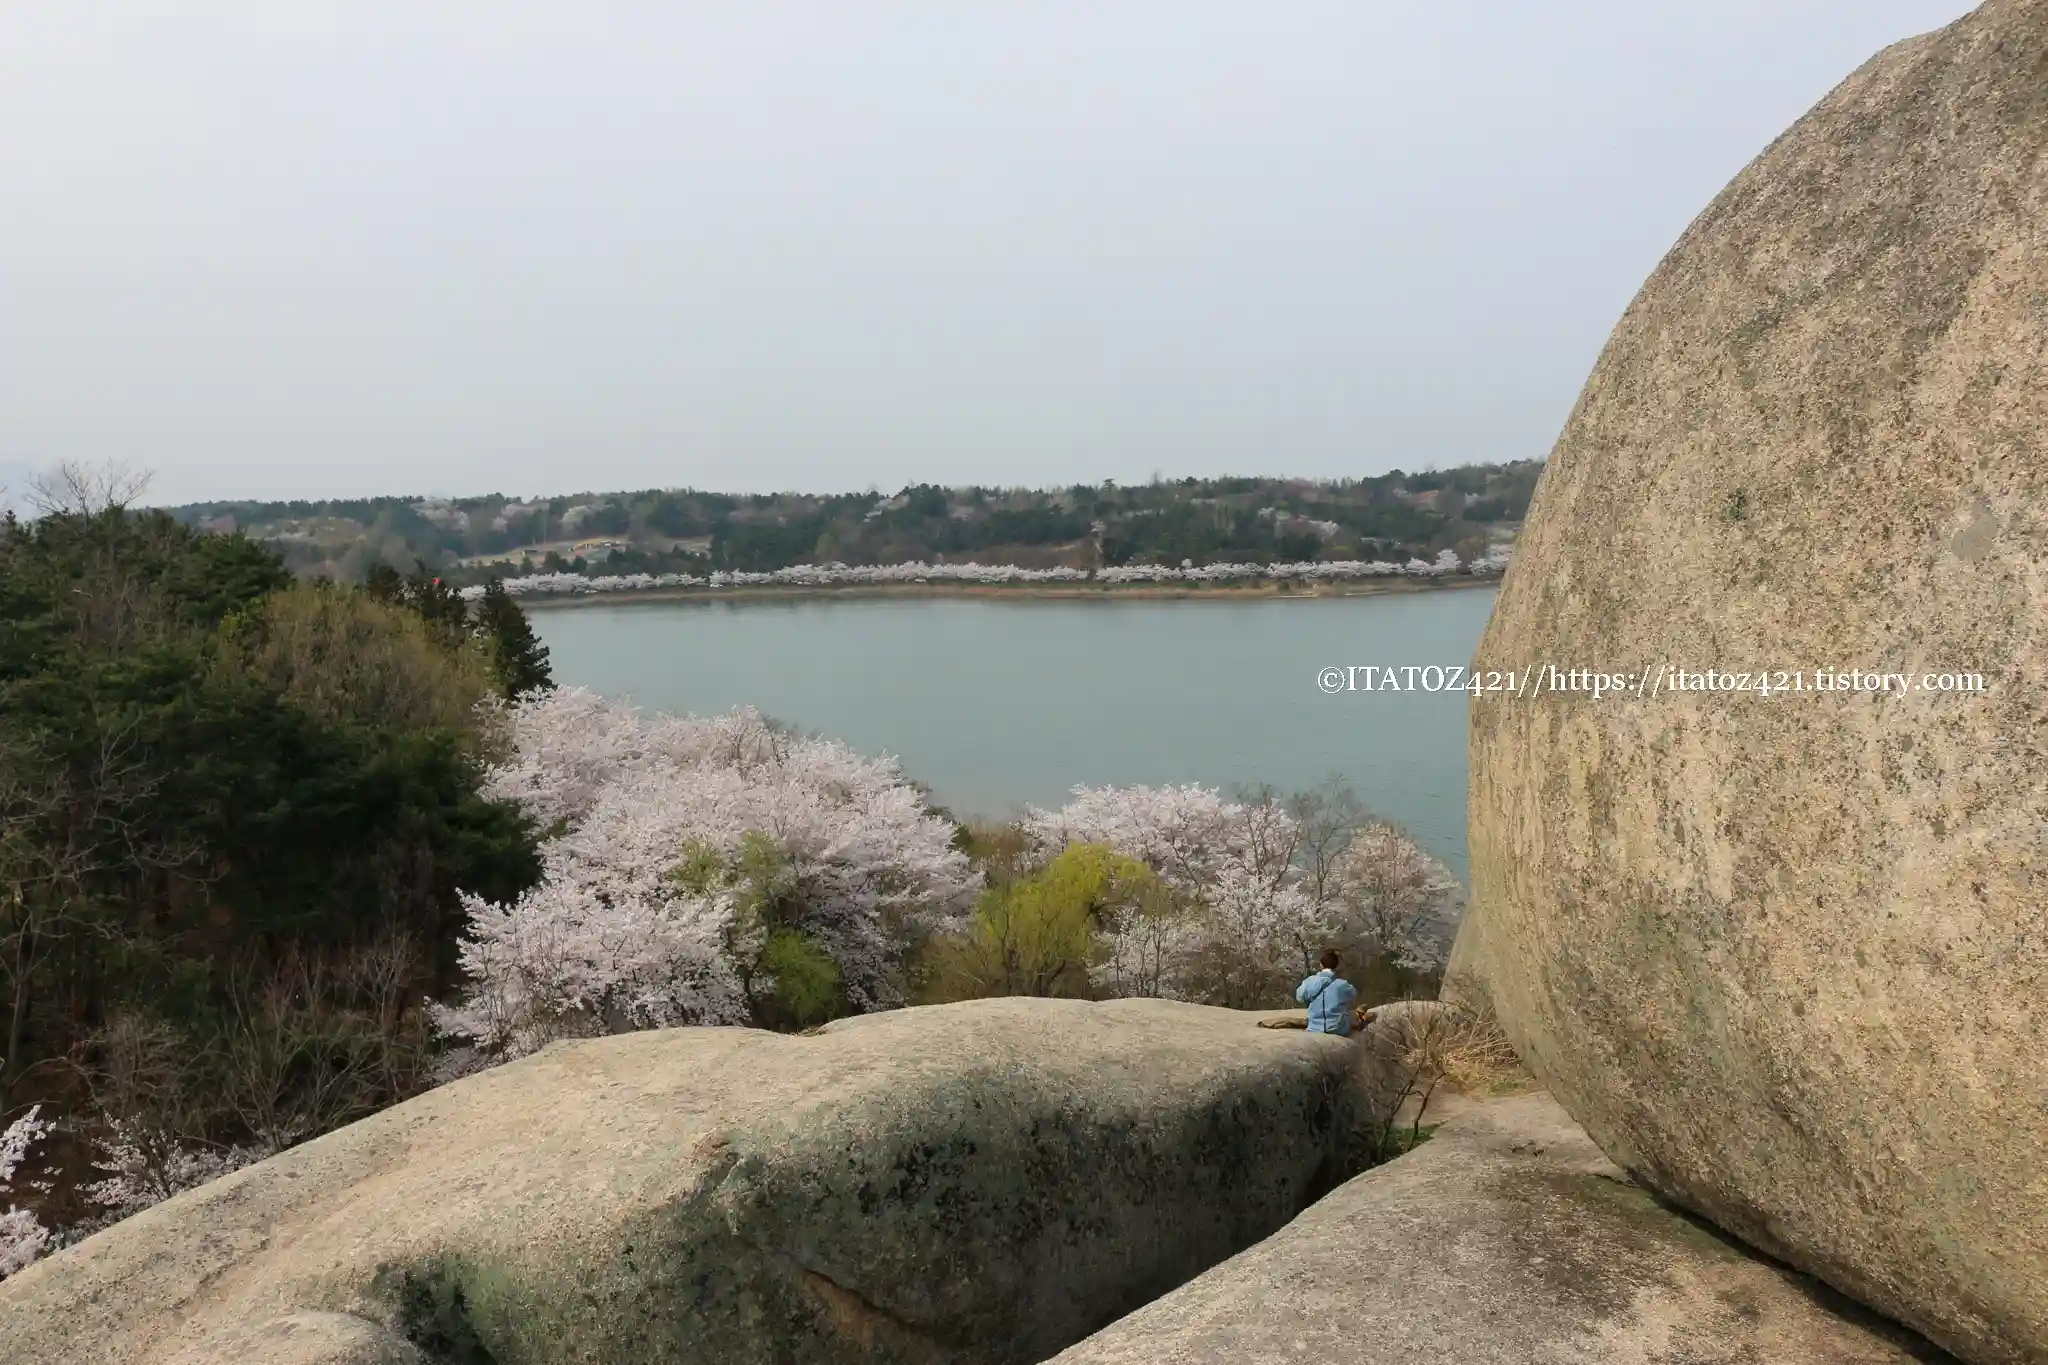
(1366, 587)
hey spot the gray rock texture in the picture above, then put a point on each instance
(979, 1182)
(313, 1339)
(1506, 1239)
(1785, 957)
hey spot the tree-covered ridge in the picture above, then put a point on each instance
(1395, 516)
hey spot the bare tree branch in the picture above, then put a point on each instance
(75, 488)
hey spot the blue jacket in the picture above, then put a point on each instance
(1328, 997)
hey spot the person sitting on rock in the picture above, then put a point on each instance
(1328, 997)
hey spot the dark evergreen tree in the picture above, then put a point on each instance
(384, 583)
(439, 604)
(517, 655)
(203, 809)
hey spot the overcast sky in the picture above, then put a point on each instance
(294, 248)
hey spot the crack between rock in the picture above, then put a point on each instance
(853, 1316)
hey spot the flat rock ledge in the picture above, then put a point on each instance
(984, 1182)
(1506, 1239)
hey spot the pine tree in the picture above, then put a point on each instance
(384, 584)
(438, 604)
(517, 654)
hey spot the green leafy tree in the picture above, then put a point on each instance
(807, 990)
(345, 656)
(786, 971)
(1038, 935)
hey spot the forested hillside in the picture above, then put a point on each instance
(1395, 516)
(238, 813)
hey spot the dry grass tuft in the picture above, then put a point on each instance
(1473, 1055)
(1412, 1053)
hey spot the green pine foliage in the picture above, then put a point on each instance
(518, 660)
(237, 816)
(518, 657)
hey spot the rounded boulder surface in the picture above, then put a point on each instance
(1504, 1239)
(1784, 955)
(979, 1184)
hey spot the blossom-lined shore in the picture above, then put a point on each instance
(1447, 564)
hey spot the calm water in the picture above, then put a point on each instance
(996, 703)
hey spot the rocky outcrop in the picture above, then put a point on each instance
(1785, 956)
(1506, 1237)
(978, 1182)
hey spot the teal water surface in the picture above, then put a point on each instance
(995, 703)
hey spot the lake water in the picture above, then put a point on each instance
(994, 703)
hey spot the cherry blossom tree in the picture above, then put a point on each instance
(1242, 917)
(1399, 899)
(1493, 561)
(1149, 950)
(139, 1166)
(22, 1235)
(1180, 832)
(690, 852)
(916, 571)
(1260, 885)
(1326, 820)
(142, 1166)
(1257, 928)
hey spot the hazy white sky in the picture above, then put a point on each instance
(301, 248)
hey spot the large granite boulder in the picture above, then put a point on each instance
(1785, 956)
(1507, 1237)
(978, 1182)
